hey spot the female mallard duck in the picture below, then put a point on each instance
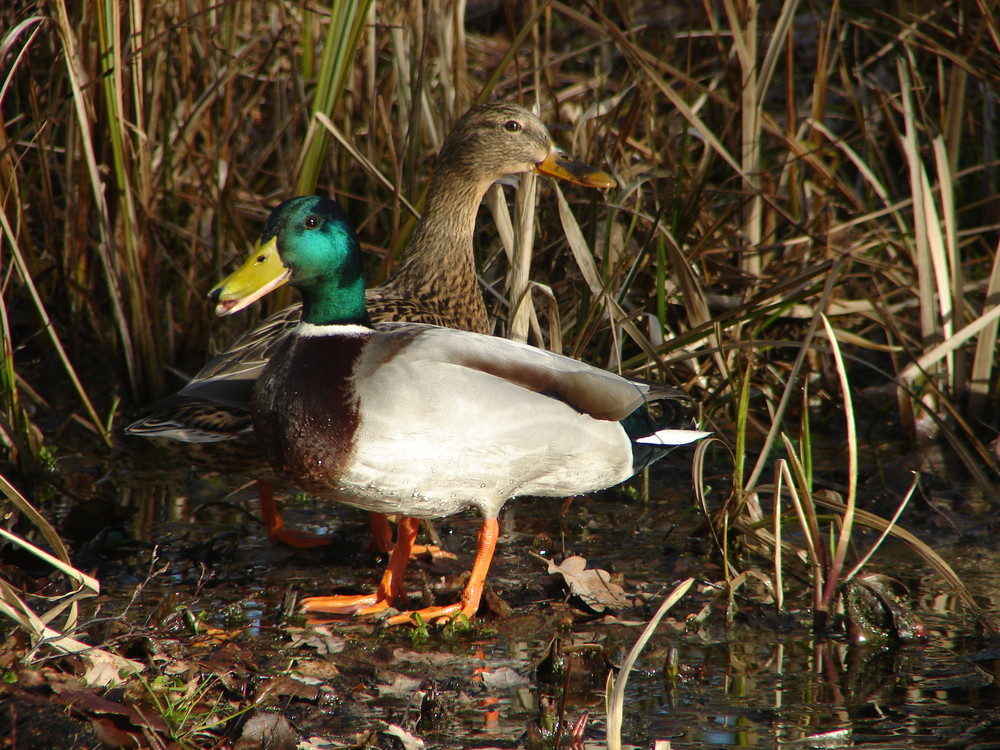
(209, 419)
(426, 421)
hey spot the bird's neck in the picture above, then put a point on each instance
(335, 301)
(439, 259)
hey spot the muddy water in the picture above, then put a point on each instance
(201, 564)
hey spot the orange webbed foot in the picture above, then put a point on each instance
(275, 525)
(431, 551)
(390, 588)
(469, 603)
(319, 608)
(382, 541)
(440, 615)
(297, 539)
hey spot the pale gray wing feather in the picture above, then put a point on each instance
(588, 389)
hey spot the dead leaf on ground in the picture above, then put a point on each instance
(111, 720)
(408, 740)
(316, 669)
(267, 730)
(438, 659)
(401, 686)
(503, 678)
(320, 743)
(592, 585)
(281, 686)
(318, 638)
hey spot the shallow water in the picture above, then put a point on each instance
(751, 680)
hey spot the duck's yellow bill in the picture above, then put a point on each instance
(263, 272)
(560, 164)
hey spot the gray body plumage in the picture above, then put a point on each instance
(443, 420)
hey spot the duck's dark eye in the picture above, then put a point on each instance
(311, 222)
(512, 126)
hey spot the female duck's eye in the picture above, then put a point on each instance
(312, 221)
(512, 126)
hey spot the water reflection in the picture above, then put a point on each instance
(747, 682)
(753, 690)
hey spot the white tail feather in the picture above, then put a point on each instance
(673, 437)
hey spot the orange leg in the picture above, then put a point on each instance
(468, 605)
(275, 526)
(382, 540)
(389, 589)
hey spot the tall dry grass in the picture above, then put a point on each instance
(757, 153)
(775, 163)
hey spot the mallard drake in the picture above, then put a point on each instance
(208, 421)
(426, 421)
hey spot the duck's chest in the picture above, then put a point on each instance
(305, 410)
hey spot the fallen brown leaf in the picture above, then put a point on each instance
(592, 585)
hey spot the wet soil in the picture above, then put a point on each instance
(192, 589)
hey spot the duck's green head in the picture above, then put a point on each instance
(308, 242)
